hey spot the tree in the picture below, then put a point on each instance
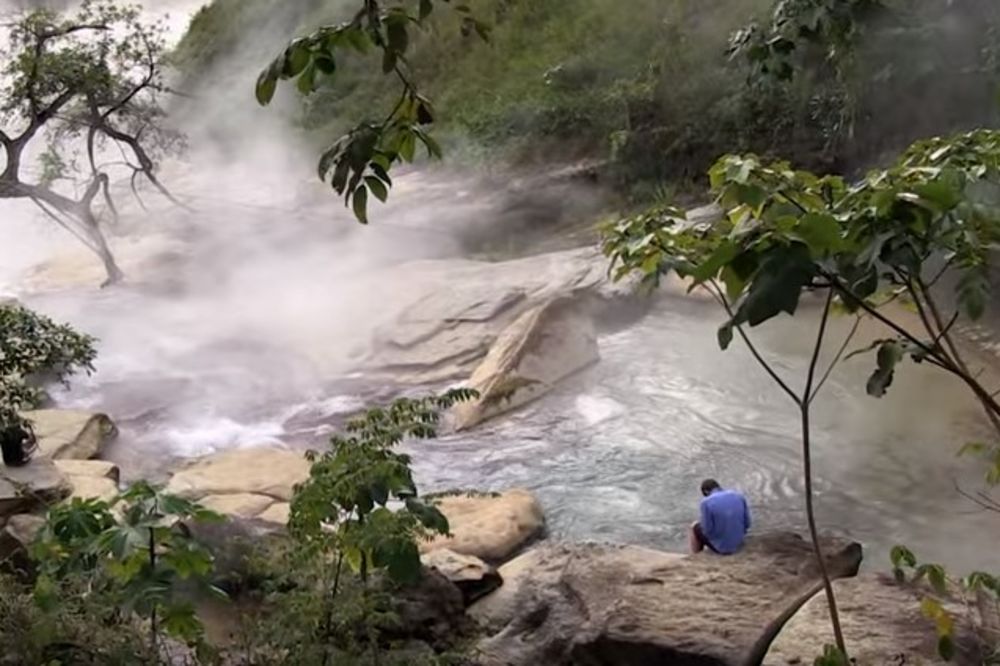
(786, 233)
(86, 85)
(359, 162)
(342, 511)
(33, 349)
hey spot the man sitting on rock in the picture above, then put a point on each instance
(725, 520)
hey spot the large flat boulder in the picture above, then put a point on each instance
(882, 624)
(253, 486)
(594, 604)
(267, 471)
(32, 486)
(452, 311)
(66, 434)
(544, 345)
(490, 527)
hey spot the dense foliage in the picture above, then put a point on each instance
(34, 349)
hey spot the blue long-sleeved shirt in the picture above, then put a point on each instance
(725, 520)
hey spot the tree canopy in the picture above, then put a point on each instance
(80, 101)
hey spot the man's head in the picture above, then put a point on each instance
(709, 486)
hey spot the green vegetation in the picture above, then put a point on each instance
(34, 349)
(119, 582)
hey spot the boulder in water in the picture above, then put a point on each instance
(490, 527)
(543, 346)
(94, 468)
(65, 434)
(629, 606)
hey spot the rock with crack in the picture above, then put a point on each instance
(543, 346)
(490, 527)
(253, 484)
(882, 623)
(469, 574)
(453, 311)
(593, 604)
(65, 434)
(91, 479)
(31, 487)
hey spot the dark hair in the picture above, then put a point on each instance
(709, 485)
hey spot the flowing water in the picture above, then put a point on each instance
(251, 339)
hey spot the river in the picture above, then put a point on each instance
(251, 340)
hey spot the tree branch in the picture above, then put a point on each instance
(720, 297)
(836, 359)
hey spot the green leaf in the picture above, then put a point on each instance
(399, 38)
(360, 204)
(725, 336)
(389, 59)
(820, 232)
(267, 84)
(890, 353)
(778, 285)
(307, 81)
(723, 254)
(901, 555)
(297, 58)
(377, 187)
(946, 647)
(426, 7)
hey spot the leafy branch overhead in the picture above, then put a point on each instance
(358, 163)
(891, 235)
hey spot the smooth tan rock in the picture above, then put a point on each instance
(628, 606)
(94, 468)
(242, 505)
(882, 624)
(543, 346)
(276, 514)
(93, 487)
(489, 527)
(260, 471)
(471, 575)
(32, 486)
(65, 434)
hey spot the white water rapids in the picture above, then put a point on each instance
(251, 339)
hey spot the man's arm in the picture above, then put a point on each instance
(707, 525)
(746, 515)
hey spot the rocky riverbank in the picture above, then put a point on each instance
(538, 601)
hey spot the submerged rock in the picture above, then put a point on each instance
(469, 574)
(624, 606)
(543, 346)
(65, 434)
(882, 624)
(490, 527)
(32, 486)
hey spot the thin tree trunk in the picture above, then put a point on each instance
(805, 406)
(153, 628)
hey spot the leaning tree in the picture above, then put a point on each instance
(80, 105)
